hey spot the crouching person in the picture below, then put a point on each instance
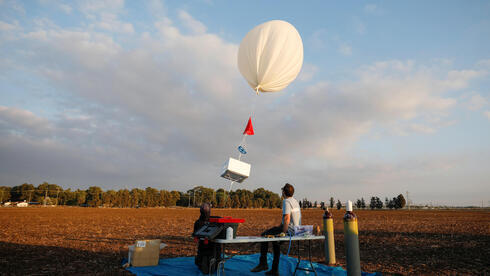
(208, 253)
(291, 216)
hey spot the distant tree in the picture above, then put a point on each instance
(109, 198)
(372, 204)
(46, 192)
(305, 203)
(392, 203)
(94, 196)
(300, 204)
(363, 203)
(22, 192)
(221, 198)
(315, 205)
(67, 197)
(387, 202)
(5, 194)
(153, 197)
(123, 198)
(174, 197)
(379, 203)
(81, 196)
(400, 201)
(322, 205)
(339, 204)
(358, 204)
(235, 203)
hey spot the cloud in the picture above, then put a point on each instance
(168, 110)
(192, 24)
(307, 72)
(373, 9)
(345, 49)
(487, 114)
(65, 8)
(370, 8)
(359, 26)
(110, 22)
(96, 6)
(22, 122)
(317, 39)
(6, 27)
(105, 15)
(477, 102)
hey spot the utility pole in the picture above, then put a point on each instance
(408, 202)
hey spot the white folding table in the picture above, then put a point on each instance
(254, 239)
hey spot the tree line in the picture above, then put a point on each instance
(375, 203)
(52, 194)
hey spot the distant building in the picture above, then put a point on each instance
(22, 204)
(7, 204)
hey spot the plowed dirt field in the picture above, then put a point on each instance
(75, 241)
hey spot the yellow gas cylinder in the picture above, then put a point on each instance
(329, 237)
(351, 240)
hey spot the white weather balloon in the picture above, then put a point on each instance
(270, 56)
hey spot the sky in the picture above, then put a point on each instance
(393, 96)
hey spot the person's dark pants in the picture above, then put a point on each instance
(276, 246)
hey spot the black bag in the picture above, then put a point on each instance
(208, 253)
(208, 256)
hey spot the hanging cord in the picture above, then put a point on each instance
(252, 111)
(244, 136)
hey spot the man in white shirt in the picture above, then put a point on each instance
(291, 216)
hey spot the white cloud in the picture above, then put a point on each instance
(172, 107)
(345, 49)
(307, 72)
(65, 8)
(360, 27)
(20, 122)
(97, 6)
(18, 7)
(156, 8)
(487, 114)
(6, 27)
(370, 8)
(110, 22)
(476, 102)
(317, 39)
(192, 24)
(373, 9)
(105, 15)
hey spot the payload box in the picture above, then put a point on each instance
(236, 170)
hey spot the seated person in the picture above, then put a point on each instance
(208, 255)
(291, 216)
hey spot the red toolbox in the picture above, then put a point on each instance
(226, 222)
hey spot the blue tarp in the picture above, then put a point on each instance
(238, 265)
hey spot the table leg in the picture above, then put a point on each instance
(299, 258)
(309, 256)
(221, 263)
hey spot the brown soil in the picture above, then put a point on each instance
(94, 240)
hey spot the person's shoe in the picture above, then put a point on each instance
(260, 267)
(272, 272)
